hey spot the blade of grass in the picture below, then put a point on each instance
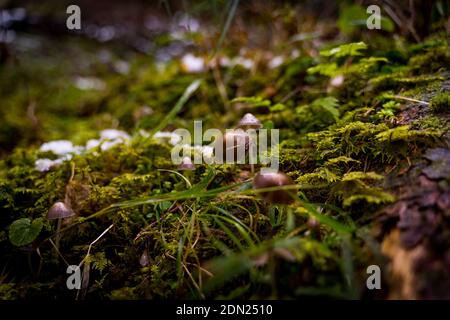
(332, 223)
(232, 217)
(180, 103)
(188, 183)
(348, 268)
(250, 217)
(242, 231)
(229, 233)
(230, 17)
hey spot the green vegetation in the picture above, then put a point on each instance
(440, 102)
(345, 139)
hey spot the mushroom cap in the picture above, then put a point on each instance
(274, 179)
(313, 224)
(249, 121)
(59, 211)
(144, 260)
(186, 164)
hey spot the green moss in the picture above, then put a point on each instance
(404, 133)
(440, 102)
(319, 178)
(433, 123)
(337, 143)
(430, 61)
(8, 291)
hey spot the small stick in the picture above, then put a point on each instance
(93, 242)
(72, 173)
(411, 99)
(58, 252)
(86, 268)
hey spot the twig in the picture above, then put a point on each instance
(191, 277)
(72, 174)
(193, 281)
(411, 99)
(86, 268)
(93, 242)
(58, 252)
(393, 16)
(401, 19)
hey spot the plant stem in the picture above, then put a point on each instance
(58, 235)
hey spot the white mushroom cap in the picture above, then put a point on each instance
(186, 164)
(144, 260)
(59, 211)
(249, 121)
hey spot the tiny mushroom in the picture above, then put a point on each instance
(313, 224)
(274, 179)
(186, 164)
(314, 227)
(235, 142)
(144, 260)
(59, 211)
(249, 121)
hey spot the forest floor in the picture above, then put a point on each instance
(87, 119)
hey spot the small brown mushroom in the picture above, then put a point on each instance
(59, 211)
(233, 141)
(142, 112)
(249, 121)
(186, 164)
(274, 179)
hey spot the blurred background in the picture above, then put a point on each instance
(44, 65)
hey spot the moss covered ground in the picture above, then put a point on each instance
(363, 118)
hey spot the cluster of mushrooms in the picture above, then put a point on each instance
(61, 211)
(269, 180)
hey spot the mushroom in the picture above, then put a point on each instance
(233, 141)
(144, 260)
(249, 121)
(186, 164)
(313, 226)
(274, 179)
(59, 211)
(142, 112)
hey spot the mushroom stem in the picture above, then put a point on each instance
(59, 210)
(58, 235)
